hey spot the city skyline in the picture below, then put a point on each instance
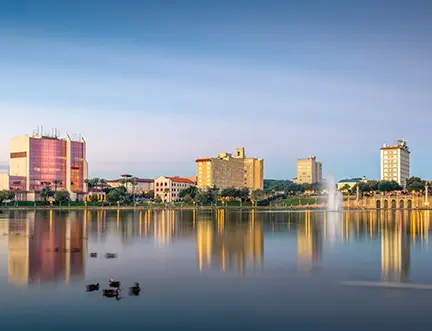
(283, 79)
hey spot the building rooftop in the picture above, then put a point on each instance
(181, 180)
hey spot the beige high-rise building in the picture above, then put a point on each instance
(309, 171)
(227, 171)
(395, 162)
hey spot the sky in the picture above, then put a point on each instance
(153, 85)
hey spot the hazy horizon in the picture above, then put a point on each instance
(152, 86)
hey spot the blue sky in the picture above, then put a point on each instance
(152, 85)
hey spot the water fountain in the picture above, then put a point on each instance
(334, 200)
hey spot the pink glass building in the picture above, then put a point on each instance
(39, 161)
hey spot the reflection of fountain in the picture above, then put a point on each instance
(334, 200)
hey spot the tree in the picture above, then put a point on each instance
(346, 187)
(415, 184)
(56, 183)
(61, 196)
(373, 185)
(243, 194)
(6, 195)
(158, 199)
(187, 198)
(134, 183)
(148, 195)
(258, 195)
(191, 191)
(388, 186)
(94, 198)
(119, 194)
(230, 192)
(274, 185)
(46, 193)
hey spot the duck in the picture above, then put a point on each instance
(111, 292)
(93, 254)
(114, 283)
(135, 290)
(110, 255)
(92, 287)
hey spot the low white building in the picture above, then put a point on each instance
(168, 188)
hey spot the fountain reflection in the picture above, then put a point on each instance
(229, 245)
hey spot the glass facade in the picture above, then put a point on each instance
(47, 163)
(77, 166)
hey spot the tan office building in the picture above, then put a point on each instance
(227, 171)
(395, 162)
(309, 171)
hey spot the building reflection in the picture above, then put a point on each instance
(229, 245)
(395, 250)
(31, 241)
(309, 243)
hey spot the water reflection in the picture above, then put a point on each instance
(230, 246)
(309, 243)
(32, 239)
(227, 241)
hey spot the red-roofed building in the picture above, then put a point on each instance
(168, 188)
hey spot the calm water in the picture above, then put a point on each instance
(215, 271)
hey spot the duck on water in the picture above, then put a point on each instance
(92, 287)
(134, 290)
(114, 283)
(111, 293)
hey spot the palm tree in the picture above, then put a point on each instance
(45, 193)
(56, 182)
(134, 183)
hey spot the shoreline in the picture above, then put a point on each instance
(199, 208)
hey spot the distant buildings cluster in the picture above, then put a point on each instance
(44, 160)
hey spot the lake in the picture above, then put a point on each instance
(220, 270)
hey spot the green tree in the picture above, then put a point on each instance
(258, 195)
(187, 198)
(191, 191)
(208, 196)
(373, 185)
(148, 195)
(119, 194)
(242, 194)
(230, 192)
(388, 186)
(158, 199)
(94, 198)
(6, 195)
(346, 187)
(61, 196)
(46, 193)
(415, 184)
(133, 183)
(56, 183)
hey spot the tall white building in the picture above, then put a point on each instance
(395, 162)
